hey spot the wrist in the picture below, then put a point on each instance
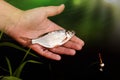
(9, 16)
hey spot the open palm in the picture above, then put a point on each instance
(33, 23)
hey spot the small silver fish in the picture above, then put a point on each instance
(53, 39)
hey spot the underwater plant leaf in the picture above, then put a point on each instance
(9, 66)
(16, 47)
(10, 78)
(1, 77)
(28, 51)
(1, 33)
(4, 69)
(20, 68)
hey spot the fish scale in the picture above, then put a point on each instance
(53, 39)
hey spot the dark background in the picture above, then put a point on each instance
(94, 22)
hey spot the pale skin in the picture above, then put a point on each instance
(22, 25)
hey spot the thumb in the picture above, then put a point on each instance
(54, 10)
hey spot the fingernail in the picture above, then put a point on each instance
(73, 53)
(58, 57)
(62, 5)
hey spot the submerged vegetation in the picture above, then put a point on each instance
(15, 75)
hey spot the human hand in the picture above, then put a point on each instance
(32, 23)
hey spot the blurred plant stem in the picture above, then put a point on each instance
(1, 33)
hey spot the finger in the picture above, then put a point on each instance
(73, 45)
(53, 10)
(63, 50)
(77, 40)
(45, 52)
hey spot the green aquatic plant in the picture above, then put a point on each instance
(15, 75)
(1, 33)
(12, 45)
